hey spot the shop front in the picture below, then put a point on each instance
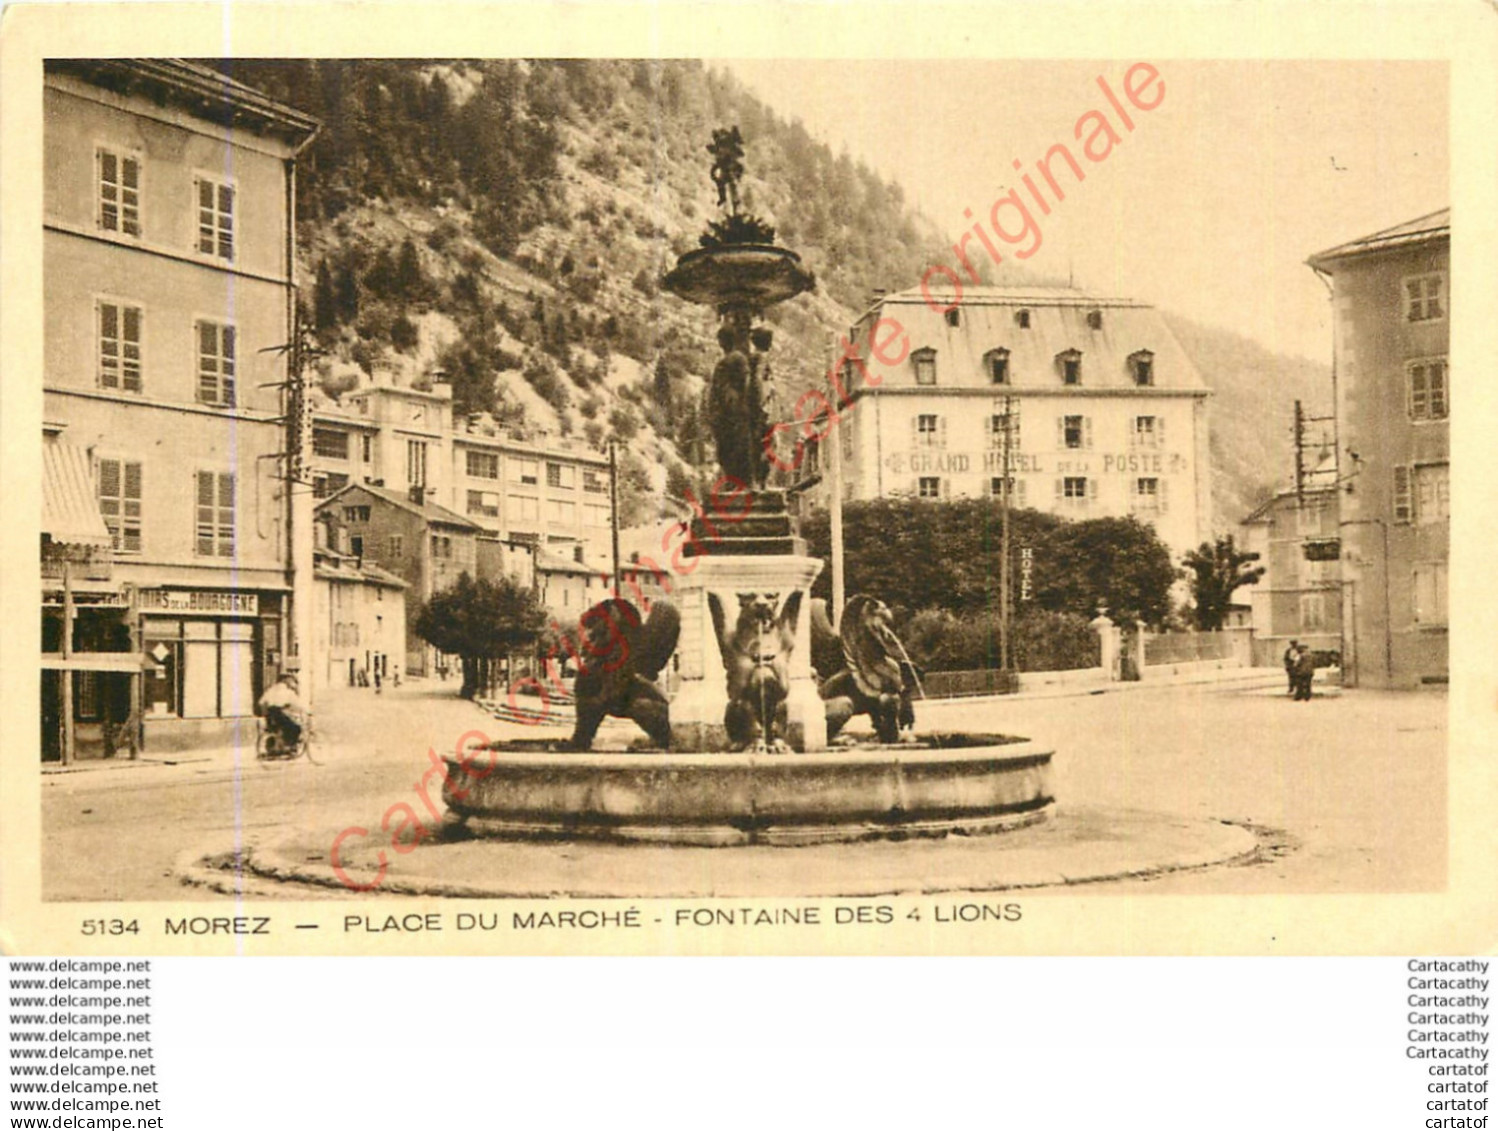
(207, 655)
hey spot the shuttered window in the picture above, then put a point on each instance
(1074, 432)
(214, 527)
(120, 346)
(120, 483)
(216, 364)
(215, 207)
(1016, 489)
(1422, 298)
(1149, 432)
(1427, 390)
(119, 192)
(1404, 497)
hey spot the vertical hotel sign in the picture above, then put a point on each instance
(1026, 572)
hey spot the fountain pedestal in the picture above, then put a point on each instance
(697, 711)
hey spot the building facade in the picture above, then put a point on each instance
(169, 286)
(1300, 595)
(1391, 298)
(425, 545)
(400, 437)
(1099, 408)
(358, 621)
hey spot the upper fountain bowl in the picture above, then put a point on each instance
(750, 275)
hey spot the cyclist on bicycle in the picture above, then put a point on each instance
(286, 716)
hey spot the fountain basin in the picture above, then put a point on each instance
(755, 275)
(966, 784)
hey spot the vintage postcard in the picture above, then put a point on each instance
(708, 479)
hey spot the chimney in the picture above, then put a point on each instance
(417, 494)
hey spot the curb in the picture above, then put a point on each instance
(269, 871)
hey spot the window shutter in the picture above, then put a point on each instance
(1060, 490)
(941, 431)
(946, 487)
(205, 497)
(1404, 509)
(1060, 432)
(915, 431)
(109, 477)
(1019, 493)
(1164, 490)
(1087, 432)
(1092, 489)
(1159, 431)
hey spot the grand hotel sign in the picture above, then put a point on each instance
(1066, 463)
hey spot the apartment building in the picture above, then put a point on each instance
(1391, 296)
(169, 286)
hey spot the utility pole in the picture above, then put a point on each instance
(614, 512)
(1007, 484)
(835, 515)
(1300, 444)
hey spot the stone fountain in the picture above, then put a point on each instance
(748, 759)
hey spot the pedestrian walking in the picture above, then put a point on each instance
(1304, 673)
(1291, 654)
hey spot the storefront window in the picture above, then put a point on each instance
(199, 669)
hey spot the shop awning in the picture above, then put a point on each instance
(70, 510)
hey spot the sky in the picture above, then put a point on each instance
(1208, 208)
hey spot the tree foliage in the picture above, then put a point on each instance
(479, 621)
(1077, 566)
(1217, 570)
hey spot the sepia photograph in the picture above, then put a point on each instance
(600, 478)
(1000, 485)
(696, 492)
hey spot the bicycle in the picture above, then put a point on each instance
(270, 746)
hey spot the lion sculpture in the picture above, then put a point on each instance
(624, 653)
(876, 677)
(756, 657)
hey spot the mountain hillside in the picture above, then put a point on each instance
(1251, 412)
(508, 222)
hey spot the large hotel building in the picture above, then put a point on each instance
(1106, 415)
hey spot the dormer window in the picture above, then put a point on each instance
(1142, 365)
(996, 361)
(954, 317)
(1069, 365)
(924, 361)
(1094, 319)
(1022, 319)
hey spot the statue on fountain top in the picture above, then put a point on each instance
(738, 400)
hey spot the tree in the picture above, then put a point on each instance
(1116, 562)
(481, 621)
(324, 304)
(1217, 570)
(410, 279)
(663, 384)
